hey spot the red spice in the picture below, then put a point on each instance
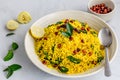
(44, 62)
(45, 38)
(78, 49)
(70, 38)
(56, 33)
(101, 8)
(82, 28)
(40, 39)
(82, 41)
(59, 45)
(71, 21)
(55, 65)
(75, 52)
(67, 20)
(94, 62)
(75, 29)
(88, 29)
(90, 53)
(63, 26)
(84, 52)
(58, 27)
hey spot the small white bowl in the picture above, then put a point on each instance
(108, 3)
(93, 21)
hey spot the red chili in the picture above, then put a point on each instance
(45, 38)
(88, 29)
(44, 62)
(101, 8)
(58, 27)
(94, 62)
(71, 21)
(59, 45)
(90, 53)
(63, 26)
(82, 28)
(84, 52)
(75, 29)
(67, 20)
(78, 49)
(82, 41)
(70, 38)
(56, 33)
(75, 52)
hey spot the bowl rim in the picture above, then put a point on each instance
(92, 73)
(114, 8)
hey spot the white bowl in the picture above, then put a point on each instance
(108, 3)
(92, 20)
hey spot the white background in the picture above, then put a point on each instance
(9, 9)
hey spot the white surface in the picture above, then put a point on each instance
(92, 20)
(9, 9)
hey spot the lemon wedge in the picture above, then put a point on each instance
(37, 32)
(12, 25)
(24, 17)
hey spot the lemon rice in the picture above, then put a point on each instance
(70, 47)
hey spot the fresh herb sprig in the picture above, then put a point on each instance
(69, 31)
(9, 34)
(10, 69)
(10, 53)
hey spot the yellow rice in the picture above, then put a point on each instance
(83, 46)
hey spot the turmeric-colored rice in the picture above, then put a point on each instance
(70, 47)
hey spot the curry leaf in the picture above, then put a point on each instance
(83, 31)
(63, 69)
(99, 59)
(10, 69)
(69, 28)
(59, 22)
(66, 34)
(83, 24)
(14, 46)
(9, 55)
(69, 31)
(74, 60)
(9, 34)
(10, 72)
(15, 67)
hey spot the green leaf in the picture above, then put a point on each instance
(53, 47)
(40, 49)
(15, 67)
(66, 34)
(10, 72)
(9, 34)
(45, 53)
(94, 33)
(11, 69)
(74, 60)
(5, 69)
(59, 22)
(92, 46)
(14, 46)
(69, 31)
(63, 69)
(83, 24)
(69, 28)
(83, 31)
(9, 55)
(58, 61)
(99, 59)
